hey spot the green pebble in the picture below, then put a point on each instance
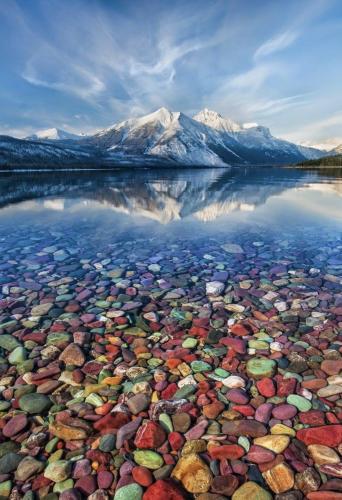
(17, 356)
(258, 344)
(148, 458)
(166, 422)
(244, 442)
(63, 485)
(301, 403)
(8, 342)
(5, 489)
(131, 491)
(185, 391)
(58, 471)
(4, 405)
(189, 343)
(200, 366)
(56, 455)
(293, 375)
(220, 372)
(8, 447)
(259, 368)
(94, 400)
(58, 338)
(107, 443)
(34, 403)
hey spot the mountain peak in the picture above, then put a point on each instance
(52, 134)
(216, 121)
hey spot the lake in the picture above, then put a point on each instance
(208, 302)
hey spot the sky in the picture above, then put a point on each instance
(82, 65)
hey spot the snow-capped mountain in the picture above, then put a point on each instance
(53, 134)
(337, 150)
(162, 138)
(40, 154)
(261, 146)
(216, 121)
(165, 134)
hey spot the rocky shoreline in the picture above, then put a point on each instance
(207, 369)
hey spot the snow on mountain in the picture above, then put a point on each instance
(163, 138)
(165, 134)
(263, 146)
(337, 150)
(53, 134)
(27, 153)
(215, 120)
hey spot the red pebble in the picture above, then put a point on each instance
(169, 391)
(239, 330)
(176, 440)
(246, 410)
(110, 422)
(312, 417)
(142, 476)
(324, 495)
(150, 435)
(230, 451)
(329, 435)
(266, 387)
(164, 489)
(286, 386)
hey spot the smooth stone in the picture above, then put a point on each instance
(322, 455)
(258, 368)
(330, 390)
(17, 356)
(200, 366)
(28, 467)
(250, 428)
(328, 435)
(148, 458)
(8, 342)
(214, 288)
(189, 343)
(251, 491)
(15, 425)
(301, 403)
(138, 403)
(280, 478)
(73, 355)
(275, 443)
(58, 471)
(131, 491)
(41, 309)
(34, 403)
(193, 473)
(10, 462)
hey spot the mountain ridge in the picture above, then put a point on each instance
(169, 137)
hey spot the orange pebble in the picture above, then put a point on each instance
(104, 409)
(173, 362)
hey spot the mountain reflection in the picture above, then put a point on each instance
(159, 195)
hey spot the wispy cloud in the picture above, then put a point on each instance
(277, 43)
(273, 106)
(99, 61)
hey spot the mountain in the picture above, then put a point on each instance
(336, 151)
(255, 143)
(216, 121)
(24, 153)
(165, 134)
(52, 134)
(162, 138)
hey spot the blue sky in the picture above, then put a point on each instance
(83, 65)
